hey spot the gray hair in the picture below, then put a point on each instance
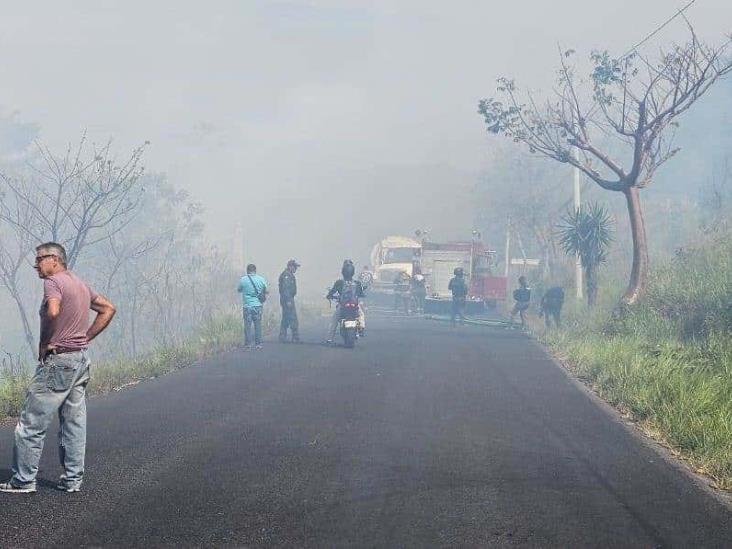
(54, 248)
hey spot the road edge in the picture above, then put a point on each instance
(675, 460)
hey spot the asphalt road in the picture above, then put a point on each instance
(422, 436)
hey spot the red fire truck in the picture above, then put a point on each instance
(437, 261)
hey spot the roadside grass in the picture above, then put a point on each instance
(668, 362)
(12, 393)
(220, 334)
(217, 335)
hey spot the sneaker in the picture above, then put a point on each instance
(11, 488)
(296, 339)
(258, 347)
(66, 488)
(329, 342)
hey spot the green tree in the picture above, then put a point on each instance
(587, 233)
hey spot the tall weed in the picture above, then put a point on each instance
(668, 362)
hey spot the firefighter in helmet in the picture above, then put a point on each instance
(459, 289)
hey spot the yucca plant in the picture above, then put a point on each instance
(587, 233)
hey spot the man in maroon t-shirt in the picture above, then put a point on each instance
(59, 383)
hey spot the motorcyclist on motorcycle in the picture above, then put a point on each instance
(336, 292)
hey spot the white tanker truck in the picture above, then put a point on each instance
(392, 255)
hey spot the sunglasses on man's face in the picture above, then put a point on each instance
(42, 257)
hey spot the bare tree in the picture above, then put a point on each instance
(15, 246)
(151, 256)
(628, 109)
(165, 272)
(78, 200)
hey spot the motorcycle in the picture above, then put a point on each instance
(348, 317)
(348, 324)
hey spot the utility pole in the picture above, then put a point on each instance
(239, 247)
(577, 206)
(508, 244)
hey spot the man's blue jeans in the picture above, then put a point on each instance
(59, 384)
(252, 318)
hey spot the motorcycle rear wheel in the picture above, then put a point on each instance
(349, 338)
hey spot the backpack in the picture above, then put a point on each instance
(348, 295)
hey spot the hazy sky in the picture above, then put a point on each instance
(318, 124)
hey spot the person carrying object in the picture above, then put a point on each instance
(418, 288)
(253, 289)
(459, 289)
(522, 297)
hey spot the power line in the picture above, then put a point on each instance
(651, 35)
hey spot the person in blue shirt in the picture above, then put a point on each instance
(253, 289)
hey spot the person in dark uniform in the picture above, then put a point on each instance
(288, 290)
(522, 297)
(459, 289)
(551, 306)
(401, 291)
(418, 289)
